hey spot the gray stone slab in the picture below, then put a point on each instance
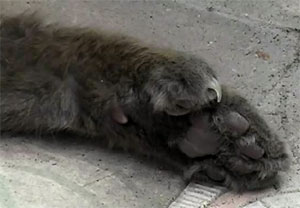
(35, 173)
(253, 45)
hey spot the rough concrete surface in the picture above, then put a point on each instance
(254, 46)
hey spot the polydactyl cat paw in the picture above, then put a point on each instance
(237, 153)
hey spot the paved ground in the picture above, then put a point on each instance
(253, 45)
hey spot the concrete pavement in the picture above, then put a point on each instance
(253, 45)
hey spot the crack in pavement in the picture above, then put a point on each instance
(248, 21)
(97, 180)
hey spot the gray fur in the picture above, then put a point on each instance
(118, 90)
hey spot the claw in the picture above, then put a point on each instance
(216, 87)
(118, 115)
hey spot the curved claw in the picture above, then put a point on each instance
(216, 87)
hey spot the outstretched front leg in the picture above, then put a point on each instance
(66, 78)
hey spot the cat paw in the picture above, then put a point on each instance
(180, 85)
(231, 148)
